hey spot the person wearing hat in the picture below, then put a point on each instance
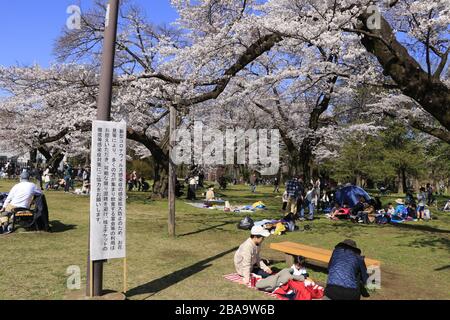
(400, 209)
(247, 258)
(20, 196)
(347, 272)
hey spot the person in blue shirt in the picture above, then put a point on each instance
(400, 209)
(347, 272)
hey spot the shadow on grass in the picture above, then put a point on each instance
(424, 228)
(155, 286)
(206, 229)
(442, 268)
(436, 243)
(59, 227)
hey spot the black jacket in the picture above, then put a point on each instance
(41, 213)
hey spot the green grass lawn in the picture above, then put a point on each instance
(415, 257)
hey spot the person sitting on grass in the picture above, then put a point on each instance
(412, 211)
(370, 210)
(210, 194)
(333, 211)
(358, 209)
(390, 210)
(247, 258)
(347, 272)
(400, 211)
(299, 267)
(86, 187)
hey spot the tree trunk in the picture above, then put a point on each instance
(400, 189)
(161, 181)
(53, 160)
(429, 91)
(161, 162)
(404, 182)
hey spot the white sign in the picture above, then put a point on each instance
(108, 191)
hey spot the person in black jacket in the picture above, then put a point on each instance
(358, 209)
(347, 272)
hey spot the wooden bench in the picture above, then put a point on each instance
(313, 254)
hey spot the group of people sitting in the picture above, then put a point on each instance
(372, 211)
(134, 181)
(347, 272)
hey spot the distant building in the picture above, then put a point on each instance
(18, 158)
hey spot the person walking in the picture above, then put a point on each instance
(276, 185)
(253, 180)
(67, 177)
(292, 189)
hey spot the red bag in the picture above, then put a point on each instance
(302, 292)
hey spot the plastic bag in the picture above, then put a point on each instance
(246, 224)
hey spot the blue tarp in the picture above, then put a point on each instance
(350, 195)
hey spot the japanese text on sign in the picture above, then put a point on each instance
(108, 191)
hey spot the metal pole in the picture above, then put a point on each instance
(104, 114)
(109, 51)
(172, 174)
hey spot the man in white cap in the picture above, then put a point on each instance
(21, 194)
(247, 259)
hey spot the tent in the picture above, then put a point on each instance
(350, 195)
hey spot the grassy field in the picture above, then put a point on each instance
(415, 257)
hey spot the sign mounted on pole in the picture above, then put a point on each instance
(108, 191)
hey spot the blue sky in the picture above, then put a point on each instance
(28, 29)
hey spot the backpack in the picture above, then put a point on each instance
(427, 214)
(246, 224)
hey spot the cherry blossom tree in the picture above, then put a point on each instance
(292, 62)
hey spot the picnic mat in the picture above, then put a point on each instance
(313, 288)
(234, 277)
